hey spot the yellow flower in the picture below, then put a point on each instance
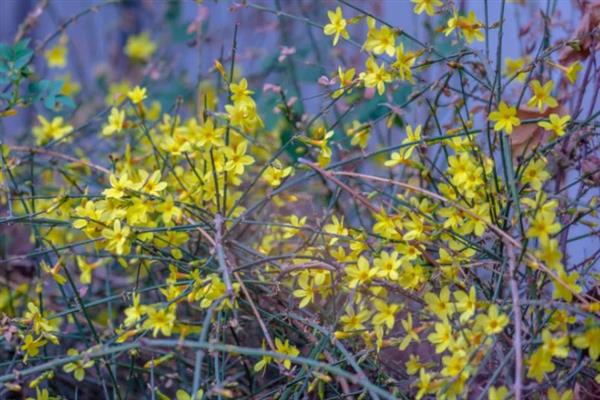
(264, 362)
(376, 76)
(515, 67)
(40, 324)
(440, 306)
(381, 40)
(346, 79)
(169, 210)
(410, 333)
(240, 93)
(454, 364)
(31, 346)
(352, 321)
(360, 273)
(359, 133)
(413, 365)
(275, 174)
(554, 395)
(237, 159)
(386, 313)
(410, 143)
(209, 134)
(287, 349)
(589, 340)
(244, 115)
(117, 238)
(570, 280)
(388, 265)
(442, 338)
(336, 229)
(466, 303)
(555, 346)
(151, 184)
(49, 131)
(535, 174)
(572, 70)
(116, 120)
(307, 290)
(137, 94)
(542, 226)
(160, 321)
(336, 26)
(492, 323)
(428, 6)
(117, 93)
(118, 186)
(498, 393)
(140, 47)
(541, 95)
(540, 363)
(469, 27)
(78, 367)
(69, 87)
(86, 269)
(183, 395)
(555, 123)
(56, 57)
(505, 118)
(54, 271)
(424, 384)
(403, 63)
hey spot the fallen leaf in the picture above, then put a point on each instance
(584, 39)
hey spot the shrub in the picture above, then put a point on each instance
(424, 226)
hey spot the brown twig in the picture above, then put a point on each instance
(31, 20)
(50, 153)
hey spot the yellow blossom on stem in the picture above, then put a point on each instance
(493, 322)
(376, 76)
(31, 346)
(589, 340)
(361, 273)
(381, 40)
(116, 120)
(307, 290)
(555, 124)
(428, 6)
(541, 95)
(49, 131)
(275, 174)
(515, 67)
(439, 306)
(410, 334)
(386, 313)
(56, 57)
(137, 95)
(140, 47)
(284, 347)
(443, 337)
(505, 118)
(353, 321)
(77, 367)
(346, 79)
(336, 26)
(117, 238)
(160, 321)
